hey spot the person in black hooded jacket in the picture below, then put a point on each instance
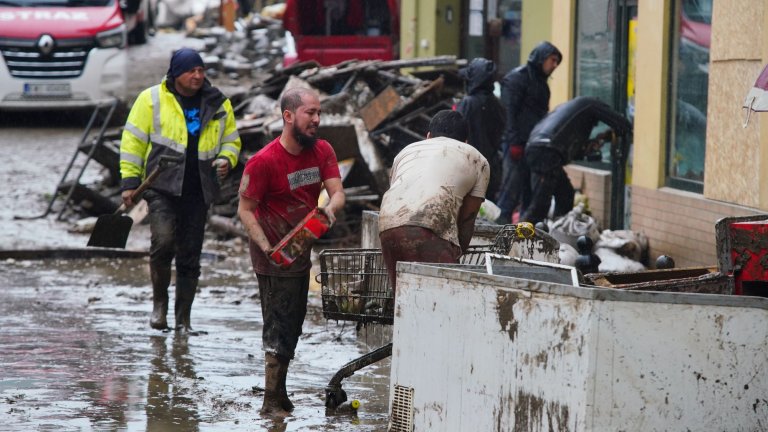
(525, 96)
(559, 138)
(484, 115)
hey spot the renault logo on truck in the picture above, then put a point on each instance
(45, 44)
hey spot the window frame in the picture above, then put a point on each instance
(680, 183)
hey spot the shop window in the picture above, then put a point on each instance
(596, 62)
(595, 38)
(510, 12)
(689, 78)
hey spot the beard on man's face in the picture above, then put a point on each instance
(305, 141)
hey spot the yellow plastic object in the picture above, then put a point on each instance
(525, 230)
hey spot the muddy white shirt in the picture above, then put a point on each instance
(428, 184)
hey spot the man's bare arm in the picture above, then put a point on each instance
(466, 219)
(255, 232)
(337, 196)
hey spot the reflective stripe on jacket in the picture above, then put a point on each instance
(156, 127)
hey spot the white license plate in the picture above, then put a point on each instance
(47, 89)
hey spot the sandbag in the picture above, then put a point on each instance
(567, 254)
(611, 262)
(574, 225)
(625, 243)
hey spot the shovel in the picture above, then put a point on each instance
(111, 231)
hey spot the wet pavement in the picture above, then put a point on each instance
(76, 350)
(78, 354)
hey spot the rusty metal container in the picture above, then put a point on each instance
(703, 280)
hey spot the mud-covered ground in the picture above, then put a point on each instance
(76, 351)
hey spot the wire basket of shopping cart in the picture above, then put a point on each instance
(355, 287)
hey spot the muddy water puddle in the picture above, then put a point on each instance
(77, 354)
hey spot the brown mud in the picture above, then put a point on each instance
(77, 353)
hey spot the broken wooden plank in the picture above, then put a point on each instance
(379, 108)
(314, 77)
(421, 97)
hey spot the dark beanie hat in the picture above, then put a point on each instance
(184, 60)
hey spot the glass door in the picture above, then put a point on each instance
(604, 68)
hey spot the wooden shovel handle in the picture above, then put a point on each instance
(146, 183)
(142, 187)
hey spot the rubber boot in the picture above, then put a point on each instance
(272, 405)
(282, 372)
(161, 278)
(186, 288)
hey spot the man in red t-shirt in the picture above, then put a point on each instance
(280, 186)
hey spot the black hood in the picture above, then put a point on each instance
(479, 74)
(541, 52)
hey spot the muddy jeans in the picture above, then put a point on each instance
(177, 225)
(414, 244)
(554, 183)
(548, 179)
(283, 308)
(514, 188)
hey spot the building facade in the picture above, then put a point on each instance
(680, 70)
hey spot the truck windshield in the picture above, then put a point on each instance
(63, 3)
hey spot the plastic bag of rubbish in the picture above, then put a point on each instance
(624, 242)
(567, 254)
(610, 261)
(573, 225)
(489, 210)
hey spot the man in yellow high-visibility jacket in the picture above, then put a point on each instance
(186, 118)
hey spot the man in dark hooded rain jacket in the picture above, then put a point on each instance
(562, 136)
(484, 115)
(525, 96)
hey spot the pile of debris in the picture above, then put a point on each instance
(371, 110)
(253, 48)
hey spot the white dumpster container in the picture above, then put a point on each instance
(478, 352)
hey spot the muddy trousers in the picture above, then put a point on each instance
(283, 308)
(554, 183)
(177, 226)
(414, 244)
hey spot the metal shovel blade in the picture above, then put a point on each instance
(111, 231)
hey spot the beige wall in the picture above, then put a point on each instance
(554, 21)
(680, 224)
(596, 185)
(563, 35)
(651, 93)
(536, 25)
(424, 31)
(735, 169)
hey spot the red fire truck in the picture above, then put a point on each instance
(332, 31)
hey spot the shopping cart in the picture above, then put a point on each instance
(355, 287)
